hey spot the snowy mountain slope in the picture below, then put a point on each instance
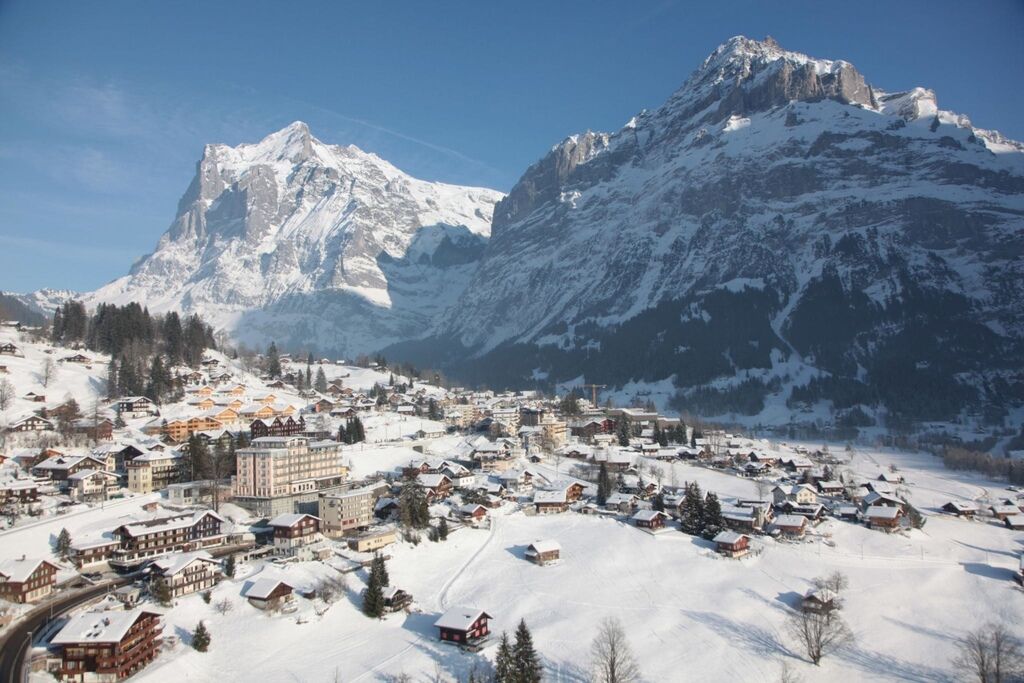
(294, 239)
(776, 212)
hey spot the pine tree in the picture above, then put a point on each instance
(604, 485)
(160, 591)
(504, 663)
(229, 567)
(373, 597)
(659, 502)
(321, 380)
(63, 544)
(380, 566)
(201, 638)
(342, 434)
(273, 361)
(622, 429)
(713, 522)
(442, 529)
(527, 661)
(691, 512)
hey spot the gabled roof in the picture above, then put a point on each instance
(648, 515)
(290, 519)
(545, 546)
(461, 618)
(260, 589)
(883, 512)
(550, 497)
(18, 571)
(172, 564)
(729, 537)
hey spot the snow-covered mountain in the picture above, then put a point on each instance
(777, 219)
(314, 245)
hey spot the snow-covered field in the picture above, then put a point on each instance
(689, 614)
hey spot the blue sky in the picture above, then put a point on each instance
(105, 106)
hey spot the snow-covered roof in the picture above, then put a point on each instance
(728, 537)
(289, 519)
(431, 480)
(545, 546)
(172, 564)
(460, 618)
(167, 523)
(99, 627)
(790, 520)
(883, 512)
(18, 570)
(648, 515)
(550, 497)
(260, 589)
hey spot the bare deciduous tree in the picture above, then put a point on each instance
(836, 582)
(6, 394)
(990, 654)
(49, 369)
(613, 659)
(819, 633)
(223, 606)
(763, 487)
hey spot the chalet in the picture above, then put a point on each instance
(26, 580)
(1001, 512)
(107, 646)
(820, 601)
(59, 468)
(650, 519)
(754, 469)
(437, 486)
(764, 459)
(890, 478)
(76, 358)
(801, 494)
(156, 537)
(573, 489)
(4, 370)
(472, 512)
(268, 594)
(89, 553)
(1015, 522)
(543, 552)
(31, 423)
(463, 626)
(93, 484)
(812, 511)
(731, 544)
(550, 502)
(34, 397)
(95, 430)
(961, 508)
(294, 532)
(623, 502)
(828, 487)
(747, 516)
(460, 475)
(8, 349)
(136, 406)
(278, 426)
(795, 463)
(24, 492)
(396, 599)
(186, 573)
(790, 526)
(883, 517)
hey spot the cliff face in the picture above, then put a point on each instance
(777, 220)
(313, 245)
